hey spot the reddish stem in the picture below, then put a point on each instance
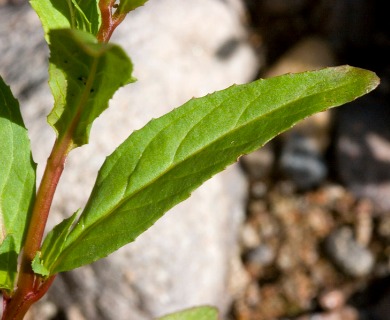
(109, 20)
(31, 286)
(17, 311)
(45, 194)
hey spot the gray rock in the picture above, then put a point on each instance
(179, 49)
(354, 259)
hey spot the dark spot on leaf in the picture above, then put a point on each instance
(82, 79)
(92, 90)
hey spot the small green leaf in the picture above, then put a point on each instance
(56, 238)
(161, 164)
(81, 15)
(38, 267)
(8, 263)
(198, 313)
(17, 178)
(84, 75)
(125, 6)
(87, 15)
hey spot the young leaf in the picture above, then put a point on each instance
(38, 267)
(17, 181)
(84, 75)
(86, 15)
(57, 237)
(198, 313)
(126, 6)
(62, 14)
(161, 164)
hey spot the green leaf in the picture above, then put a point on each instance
(17, 181)
(37, 265)
(61, 14)
(84, 75)
(8, 263)
(53, 14)
(56, 238)
(87, 15)
(198, 313)
(161, 164)
(126, 6)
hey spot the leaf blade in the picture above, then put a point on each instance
(17, 176)
(161, 164)
(83, 77)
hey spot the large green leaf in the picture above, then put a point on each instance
(84, 75)
(198, 313)
(61, 14)
(17, 183)
(161, 164)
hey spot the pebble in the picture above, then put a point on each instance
(352, 258)
(261, 256)
(302, 162)
(258, 189)
(333, 299)
(346, 313)
(249, 237)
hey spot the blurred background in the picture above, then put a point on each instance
(299, 229)
(316, 238)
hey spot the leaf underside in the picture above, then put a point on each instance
(17, 184)
(161, 164)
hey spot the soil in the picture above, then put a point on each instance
(322, 252)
